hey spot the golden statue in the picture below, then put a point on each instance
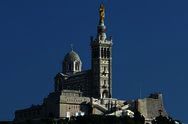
(102, 13)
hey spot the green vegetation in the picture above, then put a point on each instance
(165, 120)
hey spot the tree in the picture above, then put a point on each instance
(138, 118)
(164, 120)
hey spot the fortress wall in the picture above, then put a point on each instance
(142, 107)
(151, 107)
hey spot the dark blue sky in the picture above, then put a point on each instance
(150, 48)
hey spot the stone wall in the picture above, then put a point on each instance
(69, 106)
(151, 106)
(57, 104)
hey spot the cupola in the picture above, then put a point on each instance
(72, 63)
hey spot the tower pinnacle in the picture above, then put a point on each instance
(101, 29)
(101, 14)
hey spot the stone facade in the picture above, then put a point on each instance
(58, 105)
(78, 92)
(80, 81)
(96, 82)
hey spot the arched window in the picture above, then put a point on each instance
(105, 94)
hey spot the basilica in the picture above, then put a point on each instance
(80, 92)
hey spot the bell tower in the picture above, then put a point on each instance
(101, 50)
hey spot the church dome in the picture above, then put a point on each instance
(72, 63)
(72, 56)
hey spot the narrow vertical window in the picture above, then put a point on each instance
(104, 68)
(105, 82)
(102, 52)
(105, 53)
(77, 66)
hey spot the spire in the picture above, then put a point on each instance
(101, 29)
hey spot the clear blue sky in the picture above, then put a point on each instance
(150, 48)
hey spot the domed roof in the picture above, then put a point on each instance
(72, 56)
